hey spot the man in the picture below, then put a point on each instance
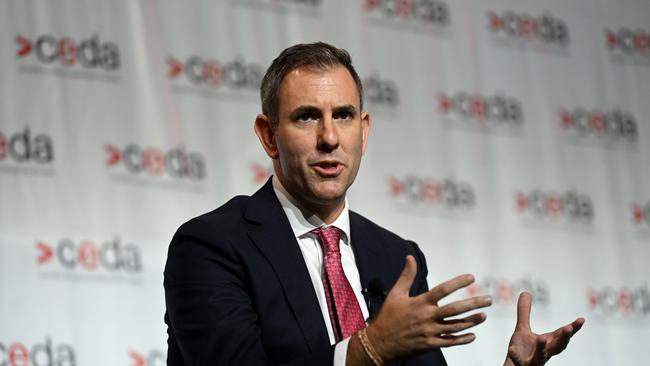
(290, 275)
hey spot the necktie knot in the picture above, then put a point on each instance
(330, 236)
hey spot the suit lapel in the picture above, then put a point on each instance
(269, 228)
(368, 253)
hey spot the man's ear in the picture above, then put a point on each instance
(366, 122)
(266, 134)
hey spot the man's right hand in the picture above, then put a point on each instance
(407, 326)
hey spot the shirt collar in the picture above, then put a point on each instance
(302, 221)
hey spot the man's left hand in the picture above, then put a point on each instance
(530, 349)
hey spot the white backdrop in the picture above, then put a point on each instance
(510, 140)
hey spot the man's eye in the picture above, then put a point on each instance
(307, 117)
(344, 115)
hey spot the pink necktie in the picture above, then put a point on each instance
(342, 304)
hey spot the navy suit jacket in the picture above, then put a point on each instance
(238, 292)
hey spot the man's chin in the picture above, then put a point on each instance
(329, 192)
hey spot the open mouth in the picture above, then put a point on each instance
(328, 168)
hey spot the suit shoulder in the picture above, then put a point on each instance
(384, 233)
(223, 220)
(392, 242)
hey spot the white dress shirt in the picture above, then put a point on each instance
(302, 223)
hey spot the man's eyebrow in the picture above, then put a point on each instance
(305, 109)
(349, 108)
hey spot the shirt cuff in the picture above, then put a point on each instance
(341, 352)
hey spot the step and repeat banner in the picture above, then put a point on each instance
(510, 139)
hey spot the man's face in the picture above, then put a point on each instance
(320, 136)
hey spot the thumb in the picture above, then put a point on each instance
(406, 278)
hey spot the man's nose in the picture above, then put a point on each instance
(328, 138)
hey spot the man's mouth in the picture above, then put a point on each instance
(328, 168)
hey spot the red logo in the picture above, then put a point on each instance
(545, 28)
(89, 53)
(505, 292)
(235, 74)
(628, 41)
(46, 252)
(613, 124)
(24, 46)
(619, 301)
(112, 256)
(570, 205)
(153, 358)
(175, 67)
(433, 12)
(176, 163)
(495, 109)
(641, 214)
(260, 173)
(428, 191)
(39, 354)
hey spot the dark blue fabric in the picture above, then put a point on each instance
(238, 292)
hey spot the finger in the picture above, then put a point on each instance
(449, 340)
(577, 325)
(447, 287)
(457, 325)
(523, 311)
(406, 278)
(462, 306)
(570, 329)
(558, 340)
(556, 343)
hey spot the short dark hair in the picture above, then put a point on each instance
(317, 56)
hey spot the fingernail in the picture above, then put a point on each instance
(487, 300)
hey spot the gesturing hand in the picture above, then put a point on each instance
(409, 325)
(529, 349)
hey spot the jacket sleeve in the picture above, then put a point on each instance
(210, 314)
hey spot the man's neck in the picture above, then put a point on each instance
(327, 213)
